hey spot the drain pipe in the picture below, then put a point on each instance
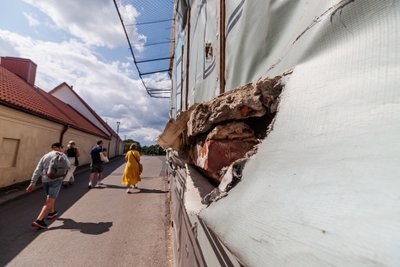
(65, 128)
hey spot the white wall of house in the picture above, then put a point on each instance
(25, 138)
(65, 94)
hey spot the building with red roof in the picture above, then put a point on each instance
(32, 119)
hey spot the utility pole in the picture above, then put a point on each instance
(117, 141)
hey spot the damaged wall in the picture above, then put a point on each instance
(214, 134)
(322, 189)
(219, 130)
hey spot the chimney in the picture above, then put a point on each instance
(24, 68)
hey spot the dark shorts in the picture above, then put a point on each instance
(52, 188)
(96, 167)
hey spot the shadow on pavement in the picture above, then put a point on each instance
(84, 227)
(16, 216)
(154, 191)
(114, 186)
(140, 190)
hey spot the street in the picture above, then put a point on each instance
(103, 226)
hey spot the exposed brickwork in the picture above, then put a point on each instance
(214, 155)
(232, 131)
(250, 100)
(221, 131)
(237, 104)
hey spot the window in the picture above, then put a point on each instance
(8, 152)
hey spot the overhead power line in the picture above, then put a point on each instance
(157, 43)
(152, 92)
(154, 59)
(149, 22)
(156, 71)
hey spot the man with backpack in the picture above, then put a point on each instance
(52, 167)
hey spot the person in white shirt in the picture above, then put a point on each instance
(73, 154)
(51, 186)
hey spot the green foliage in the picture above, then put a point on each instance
(129, 142)
(153, 150)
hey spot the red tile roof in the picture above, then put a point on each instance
(16, 93)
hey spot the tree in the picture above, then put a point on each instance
(129, 142)
(155, 150)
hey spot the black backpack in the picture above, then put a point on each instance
(58, 166)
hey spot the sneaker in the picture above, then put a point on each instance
(135, 186)
(100, 182)
(39, 224)
(128, 191)
(52, 215)
(90, 186)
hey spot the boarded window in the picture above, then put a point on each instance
(8, 152)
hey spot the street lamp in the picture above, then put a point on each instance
(117, 141)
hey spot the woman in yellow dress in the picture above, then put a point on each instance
(132, 169)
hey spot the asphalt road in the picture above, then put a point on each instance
(103, 226)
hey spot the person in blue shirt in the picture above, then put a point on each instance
(96, 167)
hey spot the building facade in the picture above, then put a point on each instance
(32, 119)
(291, 112)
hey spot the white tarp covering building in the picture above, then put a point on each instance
(323, 188)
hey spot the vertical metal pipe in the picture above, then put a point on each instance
(222, 48)
(116, 140)
(181, 70)
(65, 128)
(187, 58)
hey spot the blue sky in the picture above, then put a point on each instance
(83, 44)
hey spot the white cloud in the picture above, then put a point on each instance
(106, 87)
(32, 21)
(129, 14)
(94, 22)
(146, 134)
(6, 48)
(120, 109)
(159, 81)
